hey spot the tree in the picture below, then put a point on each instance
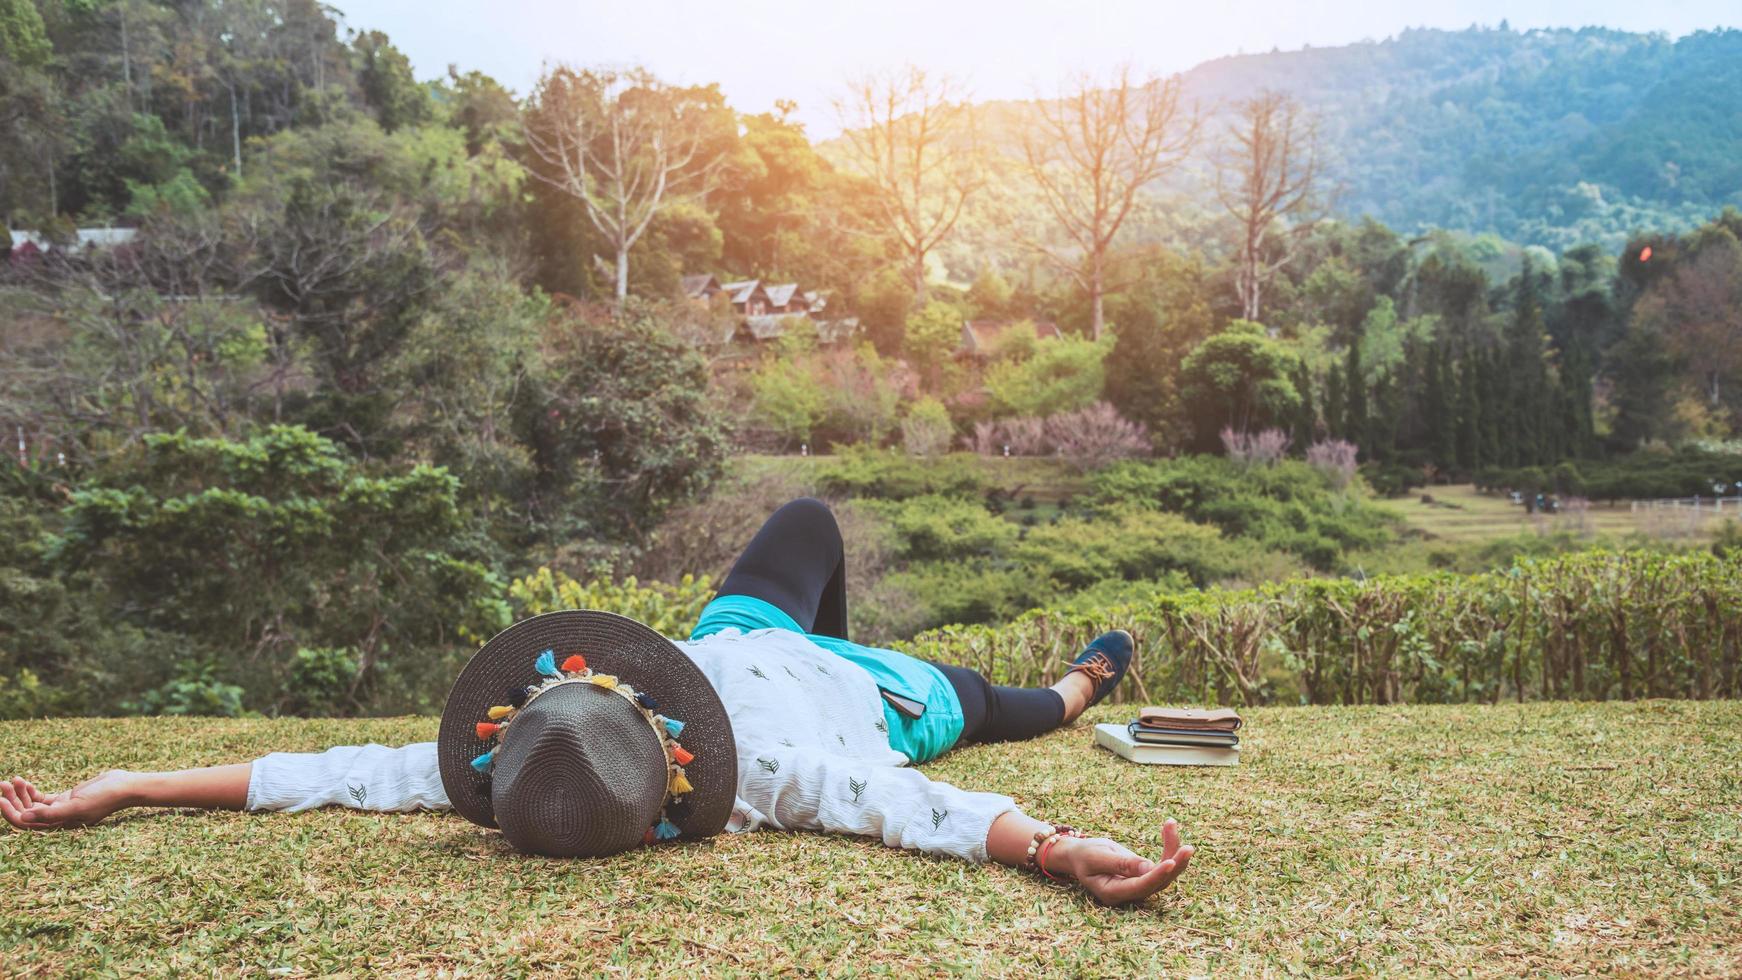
(1306, 418)
(1266, 176)
(389, 87)
(626, 146)
(1239, 379)
(1440, 411)
(1355, 398)
(1698, 309)
(1526, 377)
(912, 135)
(253, 551)
(1166, 312)
(931, 333)
(1063, 374)
(618, 422)
(1092, 151)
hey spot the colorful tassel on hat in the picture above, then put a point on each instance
(648, 837)
(575, 664)
(605, 681)
(674, 726)
(546, 663)
(500, 712)
(646, 701)
(483, 762)
(488, 728)
(665, 829)
(517, 697)
(683, 756)
(678, 785)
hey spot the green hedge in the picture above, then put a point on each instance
(1687, 472)
(1594, 625)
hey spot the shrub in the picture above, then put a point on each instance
(789, 403)
(940, 528)
(1392, 479)
(1096, 436)
(927, 430)
(863, 471)
(672, 609)
(185, 545)
(1590, 625)
(1129, 544)
(1335, 458)
(1291, 506)
(1262, 448)
(1062, 375)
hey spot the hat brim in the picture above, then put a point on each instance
(612, 644)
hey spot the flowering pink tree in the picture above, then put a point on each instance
(1095, 436)
(1335, 458)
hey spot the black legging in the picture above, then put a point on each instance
(796, 563)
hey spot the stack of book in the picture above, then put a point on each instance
(1175, 737)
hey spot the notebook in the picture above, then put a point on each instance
(1178, 736)
(1117, 740)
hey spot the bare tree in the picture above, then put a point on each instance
(623, 144)
(1091, 152)
(1266, 175)
(913, 136)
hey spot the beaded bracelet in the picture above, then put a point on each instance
(1043, 842)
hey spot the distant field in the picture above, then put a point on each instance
(1460, 514)
(1541, 839)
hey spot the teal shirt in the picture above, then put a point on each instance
(920, 739)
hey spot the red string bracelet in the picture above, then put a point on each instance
(1046, 848)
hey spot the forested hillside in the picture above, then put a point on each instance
(1546, 137)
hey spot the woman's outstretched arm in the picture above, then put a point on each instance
(362, 777)
(215, 788)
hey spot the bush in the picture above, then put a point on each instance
(185, 544)
(1096, 436)
(1591, 625)
(927, 429)
(1335, 458)
(1291, 506)
(1261, 448)
(1392, 479)
(672, 609)
(941, 528)
(1063, 374)
(1128, 544)
(863, 471)
(197, 691)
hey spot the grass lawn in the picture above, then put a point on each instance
(1460, 514)
(1562, 838)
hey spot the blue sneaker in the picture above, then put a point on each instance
(1104, 661)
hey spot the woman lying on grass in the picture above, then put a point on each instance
(586, 734)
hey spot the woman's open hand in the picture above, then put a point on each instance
(1112, 873)
(28, 808)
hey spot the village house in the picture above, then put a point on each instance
(767, 311)
(980, 337)
(702, 288)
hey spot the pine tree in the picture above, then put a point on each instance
(1355, 398)
(1383, 424)
(1334, 404)
(1469, 416)
(1442, 419)
(1306, 419)
(1528, 396)
(1490, 399)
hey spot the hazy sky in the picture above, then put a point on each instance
(763, 50)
